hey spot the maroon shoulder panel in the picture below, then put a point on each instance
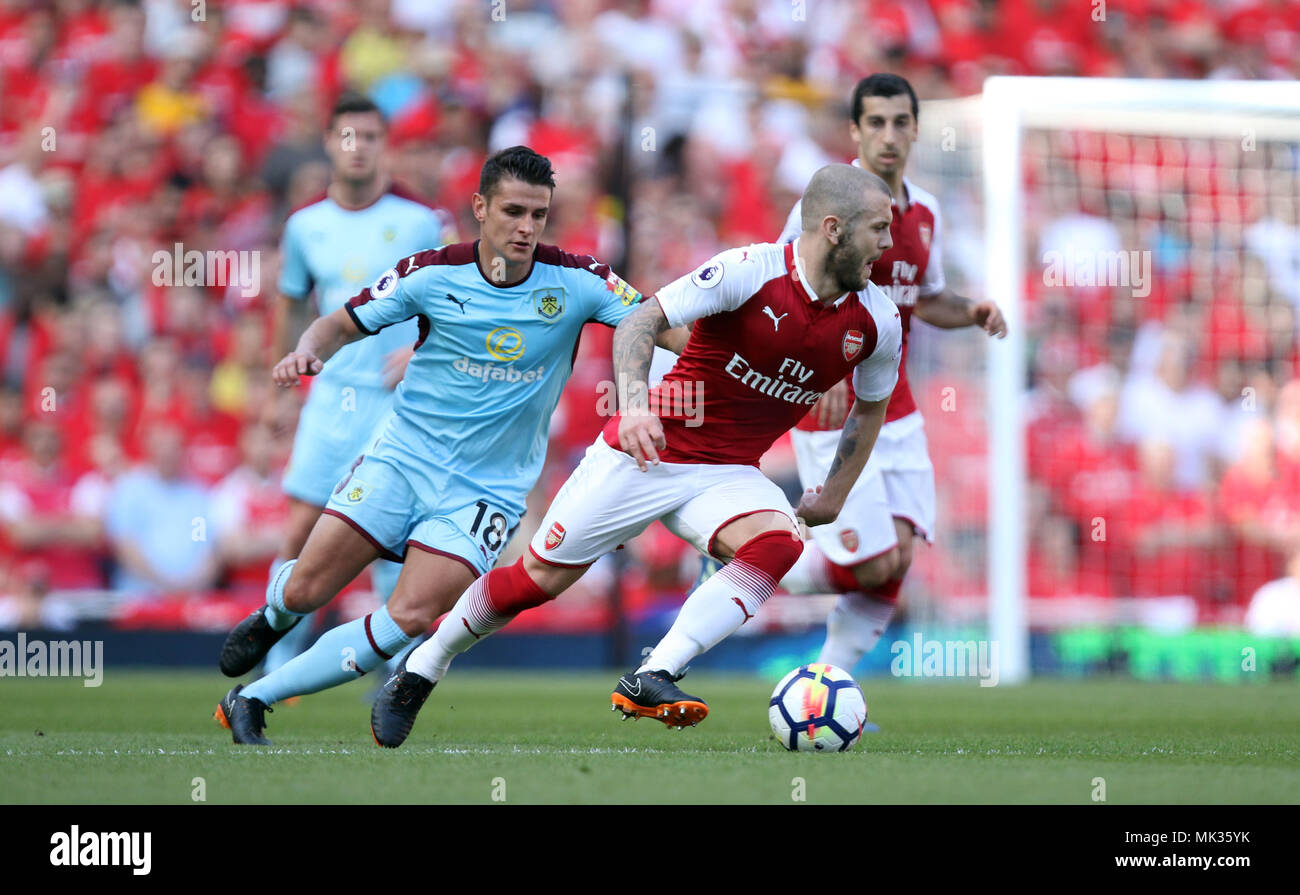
(553, 255)
(455, 254)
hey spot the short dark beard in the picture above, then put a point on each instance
(846, 266)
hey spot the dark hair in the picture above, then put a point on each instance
(518, 162)
(350, 102)
(880, 84)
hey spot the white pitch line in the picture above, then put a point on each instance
(628, 750)
(516, 750)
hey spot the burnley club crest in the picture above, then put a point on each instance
(549, 303)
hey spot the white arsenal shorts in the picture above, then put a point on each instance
(898, 481)
(607, 501)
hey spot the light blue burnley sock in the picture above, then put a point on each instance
(277, 614)
(391, 666)
(341, 654)
(291, 644)
(383, 576)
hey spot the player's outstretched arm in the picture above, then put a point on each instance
(948, 310)
(821, 505)
(318, 344)
(639, 432)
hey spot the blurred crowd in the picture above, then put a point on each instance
(1164, 434)
(131, 411)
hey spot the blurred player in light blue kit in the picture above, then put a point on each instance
(332, 248)
(445, 484)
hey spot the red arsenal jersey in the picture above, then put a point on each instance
(762, 352)
(912, 267)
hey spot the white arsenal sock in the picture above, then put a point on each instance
(853, 628)
(488, 606)
(717, 608)
(471, 619)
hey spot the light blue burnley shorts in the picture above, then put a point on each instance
(379, 500)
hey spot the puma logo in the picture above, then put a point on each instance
(776, 321)
(736, 600)
(460, 304)
(465, 622)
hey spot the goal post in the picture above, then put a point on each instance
(976, 147)
(1007, 376)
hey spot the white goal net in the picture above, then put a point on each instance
(1130, 454)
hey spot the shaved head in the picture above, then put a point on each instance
(839, 190)
(846, 213)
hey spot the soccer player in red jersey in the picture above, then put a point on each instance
(774, 327)
(865, 554)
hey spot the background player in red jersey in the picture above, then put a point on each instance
(866, 553)
(774, 327)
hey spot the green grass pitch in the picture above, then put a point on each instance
(546, 737)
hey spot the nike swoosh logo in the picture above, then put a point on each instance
(622, 682)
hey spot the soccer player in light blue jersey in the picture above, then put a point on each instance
(444, 486)
(332, 248)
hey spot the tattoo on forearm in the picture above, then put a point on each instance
(848, 445)
(634, 344)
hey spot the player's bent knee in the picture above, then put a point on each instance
(877, 570)
(551, 580)
(302, 590)
(745, 529)
(774, 551)
(413, 614)
(535, 568)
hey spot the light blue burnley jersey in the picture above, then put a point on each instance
(472, 414)
(334, 252)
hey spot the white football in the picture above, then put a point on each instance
(817, 708)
